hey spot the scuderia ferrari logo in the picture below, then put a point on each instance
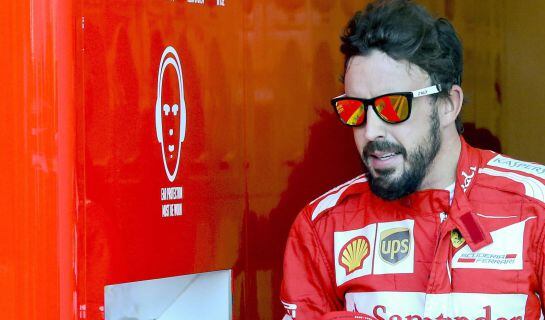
(504, 253)
(394, 244)
(378, 248)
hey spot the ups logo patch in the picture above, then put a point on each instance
(395, 244)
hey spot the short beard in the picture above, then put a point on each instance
(419, 161)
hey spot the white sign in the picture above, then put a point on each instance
(195, 296)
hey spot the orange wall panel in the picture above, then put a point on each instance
(37, 159)
(83, 170)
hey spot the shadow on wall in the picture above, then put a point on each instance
(330, 159)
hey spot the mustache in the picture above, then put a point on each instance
(383, 146)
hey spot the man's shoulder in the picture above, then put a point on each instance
(508, 174)
(335, 196)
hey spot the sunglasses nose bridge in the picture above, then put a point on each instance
(374, 125)
(365, 107)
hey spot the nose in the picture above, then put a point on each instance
(374, 127)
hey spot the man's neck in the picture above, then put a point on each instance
(442, 171)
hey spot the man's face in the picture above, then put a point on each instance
(171, 117)
(397, 155)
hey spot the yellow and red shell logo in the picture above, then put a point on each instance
(353, 254)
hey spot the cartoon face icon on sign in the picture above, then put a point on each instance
(170, 113)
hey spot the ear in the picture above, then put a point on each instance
(452, 106)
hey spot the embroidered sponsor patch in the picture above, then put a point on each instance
(504, 253)
(456, 238)
(395, 253)
(354, 253)
(359, 253)
(487, 258)
(342, 240)
(394, 244)
(535, 169)
(468, 177)
(419, 305)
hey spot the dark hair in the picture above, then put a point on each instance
(406, 31)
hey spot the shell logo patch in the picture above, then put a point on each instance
(353, 254)
(456, 239)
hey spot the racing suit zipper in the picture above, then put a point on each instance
(440, 261)
(443, 217)
(441, 234)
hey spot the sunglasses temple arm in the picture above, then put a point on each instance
(341, 96)
(427, 91)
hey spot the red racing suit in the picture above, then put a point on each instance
(421, 257)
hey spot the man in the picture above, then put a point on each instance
(435, 229)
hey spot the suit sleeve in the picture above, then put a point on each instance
(540, 272)
(307, 287)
